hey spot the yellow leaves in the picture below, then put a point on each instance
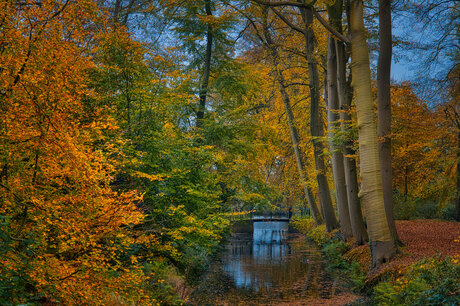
(150, 177)
(76, 224)
(456, 258)
(239, 213)
(252, 196)
(178, 208)
(418, 143)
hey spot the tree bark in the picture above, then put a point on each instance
(457, 210)
(381, 242)
(301, 159)
(345, 97)
(406, 180)
(300, 156)
(384, 110)
(351, 173)
(316, 124)
(337, 155)
(206, 69)
(116, 12)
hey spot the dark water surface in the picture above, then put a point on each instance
(263, 262)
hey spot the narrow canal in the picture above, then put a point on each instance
(265, 263)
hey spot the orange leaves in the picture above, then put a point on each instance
(419, 145)
(55, 189)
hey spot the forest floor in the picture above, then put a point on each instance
(426, 238)
(421, 239)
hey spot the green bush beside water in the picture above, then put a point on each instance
(431, 281)
(332, 248)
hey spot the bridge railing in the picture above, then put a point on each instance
(267, 215)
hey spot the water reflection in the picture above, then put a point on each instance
(263, 261)
(269, 240)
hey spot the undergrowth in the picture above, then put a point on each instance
(431, 281)
(333, 250)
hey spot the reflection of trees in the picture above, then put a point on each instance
(281, 268)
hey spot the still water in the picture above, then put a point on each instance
(263, 262)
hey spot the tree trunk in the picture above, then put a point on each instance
(337, 155)
(301, 159)
(384, 110)
(300, 156)
(316, 124)
(457, 215)
(345, 96)
(206, 69)
(351, 173)
(406, 180)
(381, 242)
(116, 12)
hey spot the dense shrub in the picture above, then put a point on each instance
(432, 281)
(317, 234)
(448, 212)
(333, 250)
(303, 224)
(422, 209)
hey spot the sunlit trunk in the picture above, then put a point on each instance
(381, 242)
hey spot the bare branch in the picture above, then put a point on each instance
(282, 3)
(287, 21)
(329, 27)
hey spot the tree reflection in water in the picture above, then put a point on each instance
(264, 261)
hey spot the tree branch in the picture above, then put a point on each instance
(272, 5)
(282, 3)
(318, 16)
(329, 27)
(287, 21)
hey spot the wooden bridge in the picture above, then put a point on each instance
(278, 216)
(275, 218)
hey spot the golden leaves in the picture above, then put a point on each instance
(56, 191)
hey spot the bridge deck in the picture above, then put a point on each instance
(279, 219)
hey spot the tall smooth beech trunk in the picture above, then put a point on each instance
(301, 159)
(345, 96)
(316, 124)
(206, 69)
(337, 155)
(384, 110)
(381, 241)
(351, 174)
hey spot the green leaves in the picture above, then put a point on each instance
(432, 281)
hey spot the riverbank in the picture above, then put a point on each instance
(429, 259)
(269, 263)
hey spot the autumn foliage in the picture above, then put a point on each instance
(111, 193)
(423, 150)
(63, 229)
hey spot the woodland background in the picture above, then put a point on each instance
(131, 132)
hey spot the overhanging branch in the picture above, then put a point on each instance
(329, 27)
